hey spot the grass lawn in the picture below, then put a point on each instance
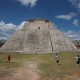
(48, 69)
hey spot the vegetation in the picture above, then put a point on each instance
(76, 42)
(48, 69)
(65, 71)
(2, 42)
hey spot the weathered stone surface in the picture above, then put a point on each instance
(39, 36)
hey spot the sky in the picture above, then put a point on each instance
(65, 14)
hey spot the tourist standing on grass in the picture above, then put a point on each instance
(9, 57)
(57, 58)
(78, 60)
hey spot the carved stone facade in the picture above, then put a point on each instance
(39, 36)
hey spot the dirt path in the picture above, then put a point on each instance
(28, 71)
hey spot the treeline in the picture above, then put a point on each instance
(76, 42)
(2, 42)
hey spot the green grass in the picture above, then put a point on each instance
(67, 68)
(47, 66)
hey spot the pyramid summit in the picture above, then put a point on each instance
(39, 36)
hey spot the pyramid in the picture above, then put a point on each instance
(39, 36)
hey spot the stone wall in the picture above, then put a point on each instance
(39, 36)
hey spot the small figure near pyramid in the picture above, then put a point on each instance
(39, 36)
(9, 57)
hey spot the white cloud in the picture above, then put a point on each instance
(21, 25)
(75, 22)
(28, 2)
(73, 35)
(6, 30)
(67, 17)
(75, 3)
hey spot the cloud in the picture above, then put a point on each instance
(75, 3)
(6, 30)
(28, 2)
(67, 17)
(76, 22)
(73, 35)
(21, 25)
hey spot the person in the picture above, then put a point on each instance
(9, 57)
(78, 60)
(57, 58)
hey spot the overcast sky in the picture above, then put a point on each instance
(64, 13)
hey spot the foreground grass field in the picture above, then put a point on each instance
(47, 67)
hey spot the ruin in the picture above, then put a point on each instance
(39, 36)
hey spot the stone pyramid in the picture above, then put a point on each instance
(39, 36)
